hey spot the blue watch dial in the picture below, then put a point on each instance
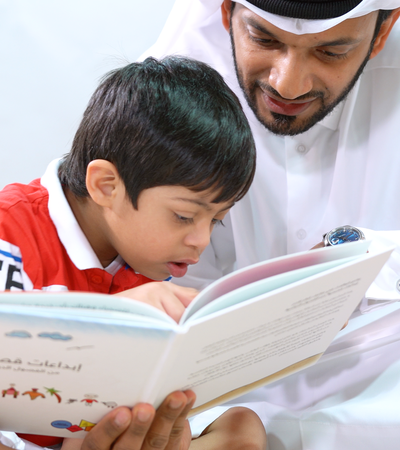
(344, 234)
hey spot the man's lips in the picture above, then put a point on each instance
(286, 108)
(179, 268)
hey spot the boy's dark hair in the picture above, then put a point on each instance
(167, 122)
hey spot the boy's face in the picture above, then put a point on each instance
(169, 230)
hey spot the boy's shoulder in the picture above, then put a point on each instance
(23, 197)
(24, 213)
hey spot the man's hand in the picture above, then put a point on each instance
(141, 428)
(168, 297)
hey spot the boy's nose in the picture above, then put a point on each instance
(290, 75)
(199, 238)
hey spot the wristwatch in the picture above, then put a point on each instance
(341, 235)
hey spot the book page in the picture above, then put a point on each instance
(250, 341)
(87, 304)
(257, 288)
(60, 374)
(270, 268)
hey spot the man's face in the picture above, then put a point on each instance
(290, 81)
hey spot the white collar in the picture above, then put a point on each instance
(68, 229)
(332, 120)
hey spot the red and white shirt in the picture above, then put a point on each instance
(42, 246)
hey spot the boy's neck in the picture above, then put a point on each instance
(90, 218)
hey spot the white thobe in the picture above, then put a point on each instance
(344, 170)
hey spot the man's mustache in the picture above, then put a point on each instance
(312, 95)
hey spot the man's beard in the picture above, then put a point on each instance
(285, 125)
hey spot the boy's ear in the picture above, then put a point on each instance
(384, 32)
(103, 182)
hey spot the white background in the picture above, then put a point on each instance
(52, 55)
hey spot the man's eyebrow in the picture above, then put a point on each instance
(204, 205)
(259, 27)
(340, 41)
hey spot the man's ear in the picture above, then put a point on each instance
(384, 32)
(226, 14)
(103, 182)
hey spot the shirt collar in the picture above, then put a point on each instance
(69, 232)
(333, 118)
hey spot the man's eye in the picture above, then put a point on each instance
(265, 42)
(333, 55)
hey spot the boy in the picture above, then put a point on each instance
(161, 155)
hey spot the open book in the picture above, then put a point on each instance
(67, 358)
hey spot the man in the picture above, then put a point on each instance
(320, 84)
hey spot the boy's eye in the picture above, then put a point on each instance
(184, 219)
(217, 222)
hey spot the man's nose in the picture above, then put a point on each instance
(291, 75)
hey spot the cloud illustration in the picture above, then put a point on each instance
(19, 334)
(55, 336)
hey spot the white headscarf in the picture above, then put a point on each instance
(305, 26)
(188, 15)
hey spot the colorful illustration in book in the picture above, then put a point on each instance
(19, 334)
(90, 399)
(84, 425)
(34, 394)
(10, 391)
(55, 336)
(52, 392)
(110, 404)
(81, 347)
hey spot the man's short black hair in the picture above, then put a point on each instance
(167, 122)
(383, 14)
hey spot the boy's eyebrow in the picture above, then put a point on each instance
(340, 41)
(204, 205)
(228, 207)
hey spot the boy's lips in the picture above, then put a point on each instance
(285, 108)
(179, 268)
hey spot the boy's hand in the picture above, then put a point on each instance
(143, 428)
(168, 297)
(319, 245)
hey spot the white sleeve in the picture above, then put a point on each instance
(12, 275)
(386, 286)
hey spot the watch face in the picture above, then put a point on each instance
(344, 234)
